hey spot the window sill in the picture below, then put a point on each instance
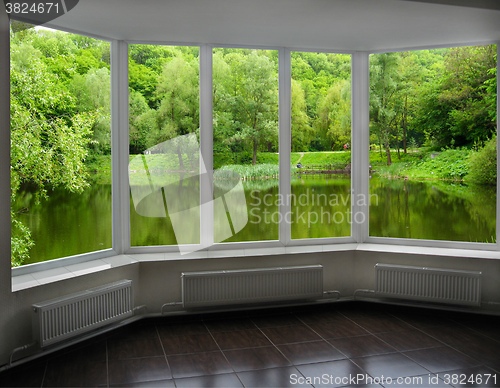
(35, 279)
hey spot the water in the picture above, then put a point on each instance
(69, 224)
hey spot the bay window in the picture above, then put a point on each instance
(298, 148)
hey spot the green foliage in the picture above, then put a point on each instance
(333, 121)
(246, 101)
(59, 113)
(458, 108)
(302, 132)
(451, 164)
(483, 164)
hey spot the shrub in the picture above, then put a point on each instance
(483, 164)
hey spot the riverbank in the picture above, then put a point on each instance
(452, 164)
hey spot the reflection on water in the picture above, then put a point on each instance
(433, 210)
(69, 224)
(66, 223)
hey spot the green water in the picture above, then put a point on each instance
(68, 224)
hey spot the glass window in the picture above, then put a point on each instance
(433, 144)
(321, 145)
(60, 144)
(164, 145)
(245, 138)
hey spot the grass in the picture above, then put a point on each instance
(452, 164)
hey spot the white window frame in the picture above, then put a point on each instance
(359, 158)
(443, 243)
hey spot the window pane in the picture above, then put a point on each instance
(321, 145)
(246, 160)
(433, 144)
(164, 151)
(60, 144)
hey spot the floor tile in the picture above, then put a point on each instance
(183, 344)
(290, 334)
(88, 351)
(423, 318)
(366, 345)
(456, 335)
(441, 359)
(30, 375)
(255, 358)
(276, 321)
(121, 349)
(310, 352)
(241, 339)
(223, 325)
(377, 323)
(138, 370)
(135, 331)
(320, 316)
(338, 329)
(186, 328)
(390, 365)
(409, 340)
(198, 364)
(332, 374)
(215, 381)
(146, 384)
(275, 377)
(75, 374)
(424, 340)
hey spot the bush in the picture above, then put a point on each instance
(483, 164)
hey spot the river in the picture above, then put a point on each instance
(67, 224)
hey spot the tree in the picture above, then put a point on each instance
(458, 108)
(302, 132)
(248, 114)
(334, 115)
(385, 104)
(93, 95)
(49, 141)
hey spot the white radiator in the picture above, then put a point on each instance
(62, 318)
(236, 287)
(428, 284)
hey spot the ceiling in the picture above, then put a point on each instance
(343, 25)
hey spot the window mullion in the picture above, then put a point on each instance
(360, 135)
(285, 125)
(206, 146)
(120, 146)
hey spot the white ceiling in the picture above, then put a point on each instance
(363, 25)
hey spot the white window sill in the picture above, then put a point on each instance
(26, 281)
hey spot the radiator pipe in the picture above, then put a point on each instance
(20, 348)
(362, 290)
(327, 293)
(141, 307)
(171, 304)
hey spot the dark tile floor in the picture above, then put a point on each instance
(329, 345)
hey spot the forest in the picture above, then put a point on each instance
(440, 101)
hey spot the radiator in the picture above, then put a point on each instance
(237, 287)
(428, 284)
(62, 318)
